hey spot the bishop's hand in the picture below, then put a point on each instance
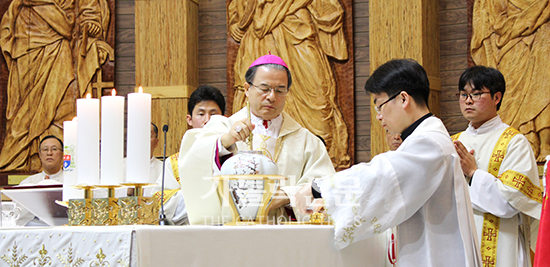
(238, 132)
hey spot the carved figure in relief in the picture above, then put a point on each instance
(512, 36)
(42, 41)
(304, 33)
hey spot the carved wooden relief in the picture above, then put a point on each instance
(512, 36)
(315, 39)
(54, 52)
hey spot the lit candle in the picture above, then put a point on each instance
(138, 142)
(112, 139)
(69, 161)
(87, 169)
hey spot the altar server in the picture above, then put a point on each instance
(298, 153)
(204, 102)
(499, 164)
(419, 188)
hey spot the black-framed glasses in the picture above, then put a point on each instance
(473, 96)
(53, 149)
(266, 89)
(379, 107)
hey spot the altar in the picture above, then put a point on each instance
(145, 245)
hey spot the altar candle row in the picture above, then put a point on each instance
(87, 158)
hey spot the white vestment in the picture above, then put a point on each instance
(299, 155)
(420, 188)
(490, 195)
(155, 169)
(36, 178)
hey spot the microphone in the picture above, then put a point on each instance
(162, 217)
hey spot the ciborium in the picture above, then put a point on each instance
(248, 182)
(249, 196)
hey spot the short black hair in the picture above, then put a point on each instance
(251, 72)
(50, 137)
(481, 76)
(206, 93)
(155, 129)
(399, 75)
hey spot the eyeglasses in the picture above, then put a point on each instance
(379, 107)
(266, 89)
(53, 149)
(474, 96)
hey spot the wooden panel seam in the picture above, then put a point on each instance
(178, 91)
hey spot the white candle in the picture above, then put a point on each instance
(87, 169)
(138, 142)
(112, 139)
(69, 161)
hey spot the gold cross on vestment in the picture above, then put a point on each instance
(498, 156)
(520, 181)
(489, 234)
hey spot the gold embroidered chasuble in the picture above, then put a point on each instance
(504, 154)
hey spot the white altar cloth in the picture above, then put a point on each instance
(66, 246)
(153, 246)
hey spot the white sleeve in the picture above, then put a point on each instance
(486, 196)
(373, 197)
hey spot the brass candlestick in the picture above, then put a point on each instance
(138, 209)
(80, 210)
(105, 210)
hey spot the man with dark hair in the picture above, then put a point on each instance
(203, 103)
(499, 164)
(298, 153)
(50, 153)
(419, 188)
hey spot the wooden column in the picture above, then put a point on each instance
(404, 29)
(167, 62)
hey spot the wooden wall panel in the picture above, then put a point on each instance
(362, 72)
(453, 34)
(166, 61)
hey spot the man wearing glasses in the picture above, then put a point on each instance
(419, 187)
(499, 164)
(298, 153)
(51, 156)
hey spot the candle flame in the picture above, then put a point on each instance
(88, 96)
(75, 119)
(113, 92)
(140, 90)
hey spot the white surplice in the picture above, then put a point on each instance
(36, 178)
(489, 194)
(420, 188)
(298, 153)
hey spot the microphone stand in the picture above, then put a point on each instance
(162, 218)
